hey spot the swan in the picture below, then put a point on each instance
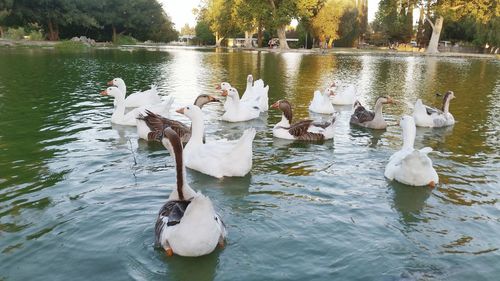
(306, 130)
(426, 116)
(237, 111)
(370, 119)
(218, 158)
(345, 97)
(187, 224)
(411, 166)
(150, 125)
(137, 99)
(321, 102)
(255, 91)
(130, 119)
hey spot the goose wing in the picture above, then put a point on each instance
(169, 215)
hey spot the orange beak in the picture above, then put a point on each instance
(276, 104)
(432, 184)
(214, 99)
(218, 87)
(224, 93)
(180, 110)
(333, 84)
(104, 93)
(110, 83)
(332, 94)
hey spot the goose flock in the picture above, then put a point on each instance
(187, 224)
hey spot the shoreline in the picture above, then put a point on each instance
(6, 43)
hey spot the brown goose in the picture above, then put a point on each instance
(306, 130)
(156, 123)
(369, 119)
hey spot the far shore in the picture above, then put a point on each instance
(336, 50)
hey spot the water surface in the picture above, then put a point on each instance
(79, 196)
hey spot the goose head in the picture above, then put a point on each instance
(285, 107)
(250, 78)
(385, 100)
(223, 86)
(231, 93)
(112, 91)
(118, 82)
(330, 91)
(191, 111)
(203, 99)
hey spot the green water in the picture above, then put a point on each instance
(74, 206)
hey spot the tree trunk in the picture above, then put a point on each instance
(420, 30)
(248, 39)
(282, 37)
(1, 32)
(114, 33)
(436, 32)
(53, 31)
(259, 35)
(218, 39)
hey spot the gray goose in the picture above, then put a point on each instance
(156, 123)
(371, 119)
(305, 130)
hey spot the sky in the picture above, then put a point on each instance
(180, 11)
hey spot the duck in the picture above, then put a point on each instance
(321, 102)
(237, 111)
(345, 97)
(130, 119)
(255, 91)
(426, 116)
(411, 166)
(187, 224)
(150, 125)
(305, 130)
(220, 158)
(369, 119)
(137, 99)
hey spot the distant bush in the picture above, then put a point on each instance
(70, 46)
(125, 40)
(15, 33)
(36, 35)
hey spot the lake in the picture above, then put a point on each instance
(79, 196)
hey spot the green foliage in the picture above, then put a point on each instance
(393, 20)
(125, 40)
(203, 33)
(15, 33)
(36, 35)
(69, 45)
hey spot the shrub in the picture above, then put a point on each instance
(36, 35)
(125, 40)
(15, 33)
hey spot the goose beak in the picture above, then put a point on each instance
(224, 93)
(276, 104)
(332, 93)
(110, 83)
(104, 93)
(213, 99)
(218, 87)
(180, 110)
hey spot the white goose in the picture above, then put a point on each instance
(130, 119)
(237, 111)
(411, 166)
(187, 224)
(426, 116)
(137, 99)
(321, 102)
(256, 92)
(218, 158)
(345, 97)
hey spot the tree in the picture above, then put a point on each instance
(481, 11)
(218, 14)
(326, 23)
(394, 19)
(187, 30)
(203, 33)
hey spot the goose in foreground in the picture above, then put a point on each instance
(369, 119)
(255, 91)
(151, 125)
(321, 102)
(130, 119)
(426, 116)
(220, 158)
(187, 224)
(345, 97)
(305, 130)
(237, 111)
(137, 99)
(411, 166)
